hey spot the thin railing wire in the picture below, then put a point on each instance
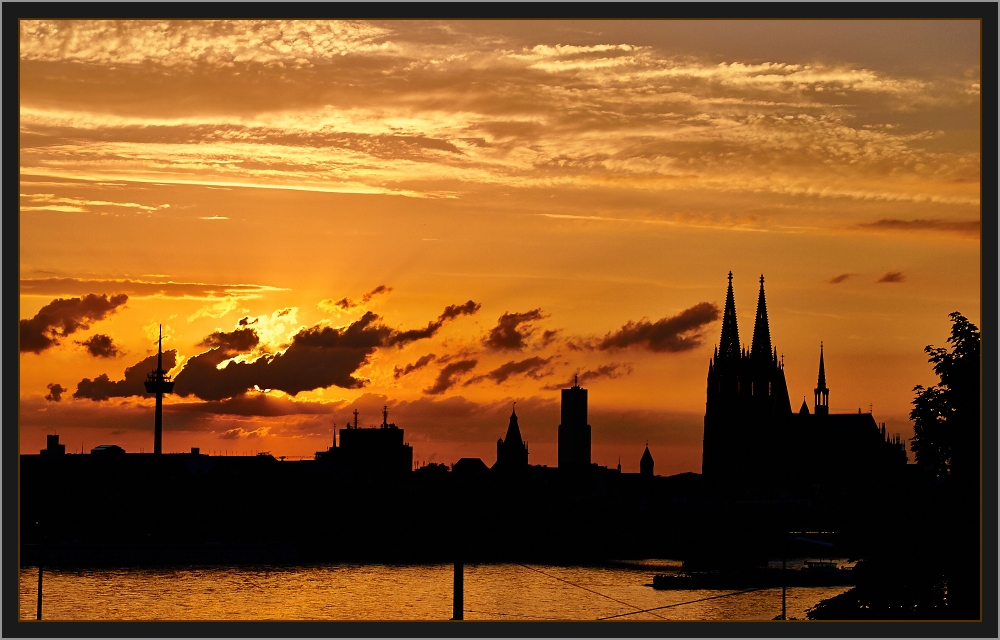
(640, 609)
(677, 604)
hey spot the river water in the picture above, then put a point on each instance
(392, 592)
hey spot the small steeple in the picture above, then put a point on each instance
(729, 344)
(646, 462)
(761, 344)
(513, 431)
(822, 394)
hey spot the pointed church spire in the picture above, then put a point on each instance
(822, 394)
(513, 431)
(729, 346)
(821, 382)
(761, 345)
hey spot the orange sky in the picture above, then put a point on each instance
(446, 217)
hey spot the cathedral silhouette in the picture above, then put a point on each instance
(754, 444)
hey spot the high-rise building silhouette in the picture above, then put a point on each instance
(512, 451)
(752, 438)
(159, 382)
(574, 432)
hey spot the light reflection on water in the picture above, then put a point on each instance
(388, 592)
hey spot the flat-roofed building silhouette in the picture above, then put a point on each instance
(574, 432)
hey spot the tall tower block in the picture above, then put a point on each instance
(159, 382)
(574, 432)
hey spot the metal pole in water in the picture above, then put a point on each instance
(784, 575)
(784, 582)
(38, 611)
(459, 605)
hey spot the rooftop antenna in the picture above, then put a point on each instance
(159, 382)
(385, 416)
(576, 379)
(355, 418)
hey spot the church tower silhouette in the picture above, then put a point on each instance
(747, 396)
(512, 451)
(754, 445)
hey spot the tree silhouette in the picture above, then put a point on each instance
(946, 416)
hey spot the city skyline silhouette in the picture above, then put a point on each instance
(558, 292)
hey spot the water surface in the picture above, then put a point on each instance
(392, 592)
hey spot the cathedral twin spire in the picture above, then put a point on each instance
(761, 346)
(729, 346)
(730, 343)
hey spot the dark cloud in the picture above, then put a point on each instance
(61, 317)
(532, 367)
(450, 312)
(256, 404)
(317, 357)
(422, 361)
(964, 227)
(507, 336)
(240, 340)
(678, 333)
(55, 392)
(448, 376)
(892, 276)
(611, 370)
(102, 387)
(840, 278)
(374, 292)
(345, 303)
(455, 310)
(548, 336)
(101, 346)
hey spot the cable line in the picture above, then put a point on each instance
(592, 591)
(677, 604)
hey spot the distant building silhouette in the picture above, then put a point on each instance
(107, 450)
(470, 467)
(53, 446)
(574, 432)
(645, 463)
(379, 451)
(159, 382)
(751, 436)
(512, 452)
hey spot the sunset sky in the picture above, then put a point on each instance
(447, 217)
